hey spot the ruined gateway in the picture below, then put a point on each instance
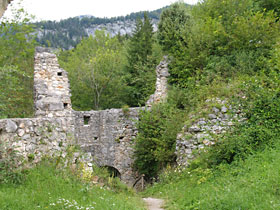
(106, 136)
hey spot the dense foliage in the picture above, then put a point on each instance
(16, 67)
(111, 72)
(155, 145)
(220, 38)
(96, 73)
(229, 50)
(231, 43)
(141, 63)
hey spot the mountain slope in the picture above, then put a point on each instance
(67, 33)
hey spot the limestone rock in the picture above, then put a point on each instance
(11, 126)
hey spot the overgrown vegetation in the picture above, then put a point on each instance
(155, 144)
(10, 172)
(218, 54)
(16, 67)
(246, 184)
(217, 49)
(57, 183)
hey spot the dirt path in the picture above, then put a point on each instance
(154, 204)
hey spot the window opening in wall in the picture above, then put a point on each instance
(86, 120)
(59, 74)
(65, 105)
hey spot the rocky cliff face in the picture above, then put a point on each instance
(118, 27)
(67, 33)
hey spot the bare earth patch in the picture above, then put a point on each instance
(154, 204)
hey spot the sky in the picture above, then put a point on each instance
(62, 9)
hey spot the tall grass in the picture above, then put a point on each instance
(46, 187)
(253, 183)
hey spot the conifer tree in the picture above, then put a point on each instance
(140, 64)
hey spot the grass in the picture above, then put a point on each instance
(46, 187)
(253, 183)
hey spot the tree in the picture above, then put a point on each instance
(96, 73)
(140, 63)
(17, 46)
(270, 5)
(172, 23)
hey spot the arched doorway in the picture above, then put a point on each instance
(113, 171)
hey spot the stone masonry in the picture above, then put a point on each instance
(52, 129)
(161, 83)
(51, 86)
(106, 136)
(205, 131)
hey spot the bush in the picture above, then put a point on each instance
(155, 143)
(260, 102)
(223, 38)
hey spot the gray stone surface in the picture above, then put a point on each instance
(204, 132)
(51, 86)
(108, 136)
(161, 83)
(26, 141)
(11, 126)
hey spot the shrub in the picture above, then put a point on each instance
(260, 130)
(155, 143)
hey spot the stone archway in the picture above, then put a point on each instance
(113, 171)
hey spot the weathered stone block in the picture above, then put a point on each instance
(11, 126)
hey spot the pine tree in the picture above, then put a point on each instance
(140, 65)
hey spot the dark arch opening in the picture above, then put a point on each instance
(113, 171)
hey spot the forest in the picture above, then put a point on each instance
(68, 33)
(227, 49)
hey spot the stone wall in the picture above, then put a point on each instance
(161, 83)
(106, 136)
(51, 86)
(52, 129)
(3, 6)
(204, 131)
(35, 138)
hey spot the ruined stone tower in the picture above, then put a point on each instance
(51, 86)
